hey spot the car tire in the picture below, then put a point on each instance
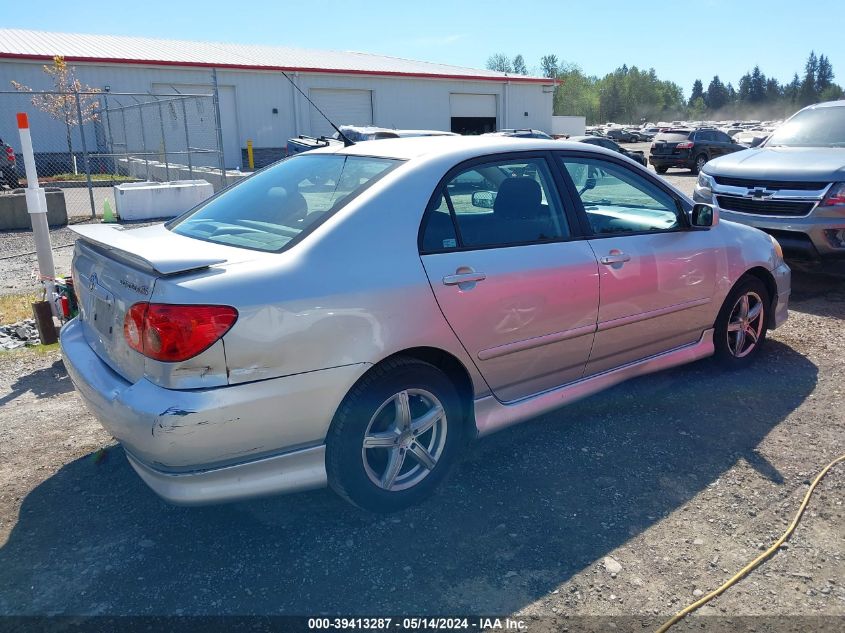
(699, 163)
(11, 180)
(740, 329)
(368, 476)
(661, 170)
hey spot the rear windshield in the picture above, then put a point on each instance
(271, 209)
(819, 127)
(673, 136)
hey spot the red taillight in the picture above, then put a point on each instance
(835, 196)
(684, 145)
(10, 154)
(171, 333)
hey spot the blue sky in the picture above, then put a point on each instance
(681, 40)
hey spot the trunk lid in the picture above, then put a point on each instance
(666, 143)
(114, 269)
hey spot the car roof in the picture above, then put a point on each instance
(457, 147)
(827, 104)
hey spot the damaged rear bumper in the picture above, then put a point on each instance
(220, 444)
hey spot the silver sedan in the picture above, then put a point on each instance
(356, 316)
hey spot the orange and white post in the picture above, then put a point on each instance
(36, 205)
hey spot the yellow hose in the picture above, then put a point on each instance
(753, 564)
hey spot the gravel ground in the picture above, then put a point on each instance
(628, 503)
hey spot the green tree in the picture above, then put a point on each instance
(757, 86)
(697, 108)
(773, 92)
(549, 64)
(808, 93)
(519, 65)
(832, 93)
(717, 96)
(697, 92)
(792, 90)
(499, 62)
(576, 93)
(824, 74)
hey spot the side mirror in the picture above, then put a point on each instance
(704, 216)
(483, 199)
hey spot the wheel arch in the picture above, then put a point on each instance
(768, 280)
(452, 367)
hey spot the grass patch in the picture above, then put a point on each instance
(38, 350)
(14, 308)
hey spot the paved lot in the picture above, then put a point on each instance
(680, 477)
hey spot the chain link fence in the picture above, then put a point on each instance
(87, 142)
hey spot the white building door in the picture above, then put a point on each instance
(343, 107)
(201, 123)
(472, 113)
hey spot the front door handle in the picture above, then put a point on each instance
(463, 278)
(615, 257)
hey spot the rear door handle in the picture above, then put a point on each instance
(615, 258)
(463, 278)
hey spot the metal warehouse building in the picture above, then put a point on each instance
(257, 103)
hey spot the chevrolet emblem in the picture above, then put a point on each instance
(759, 193)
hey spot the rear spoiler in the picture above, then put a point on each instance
(158, 253)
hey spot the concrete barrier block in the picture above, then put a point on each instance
(13, 213)
(150, 200)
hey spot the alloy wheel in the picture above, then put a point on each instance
(404, 440)
(745, 324)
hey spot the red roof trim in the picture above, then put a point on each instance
(381, 73)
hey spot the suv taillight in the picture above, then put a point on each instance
(10, 154)
(173, 333)
(835, 196)
(684, 145)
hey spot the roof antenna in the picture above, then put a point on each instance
(346, 141)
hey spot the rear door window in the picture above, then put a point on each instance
(495, 204)
(276, 206)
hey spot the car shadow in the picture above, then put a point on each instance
(42, 383)
(524, 511)
(817, 293)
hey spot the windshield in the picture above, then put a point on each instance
(817, 127)
(283, 202)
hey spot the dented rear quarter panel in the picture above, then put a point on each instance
(340, 297)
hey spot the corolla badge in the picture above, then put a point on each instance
(140, 289)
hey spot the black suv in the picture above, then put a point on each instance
(690, 149)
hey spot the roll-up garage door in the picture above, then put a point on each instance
(343, 107)
(472, 113)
